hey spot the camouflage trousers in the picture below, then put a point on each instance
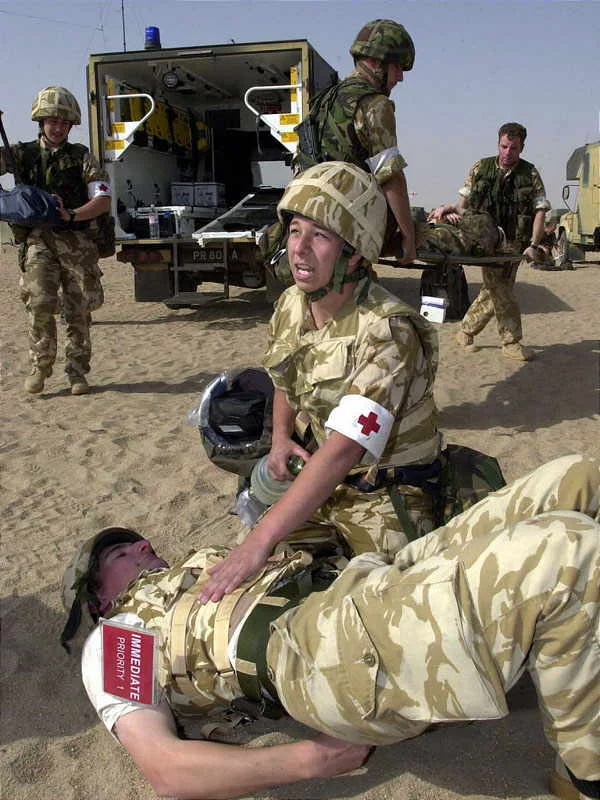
(442, 631)
(365, 521)
(496, 298)
(58, 260)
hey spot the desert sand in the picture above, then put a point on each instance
(125, 454)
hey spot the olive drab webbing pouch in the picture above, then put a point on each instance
(467, 477)
(102, 231)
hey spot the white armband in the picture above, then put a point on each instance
(378, 161)
(364, 421)
(98, 189)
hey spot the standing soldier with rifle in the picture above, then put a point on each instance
(60, 256)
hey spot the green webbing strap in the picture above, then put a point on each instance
(250, 662)
(399, 504)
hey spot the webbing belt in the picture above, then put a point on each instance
(251, 658)
(298, 586)
(413, 475)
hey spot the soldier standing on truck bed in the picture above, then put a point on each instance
(65, 257)
(511, 190)
(354, 121)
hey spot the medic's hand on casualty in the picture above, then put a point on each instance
(243, 561)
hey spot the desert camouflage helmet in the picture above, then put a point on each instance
(56, 101)
(75, 592)
(342, 198)
(386, 40)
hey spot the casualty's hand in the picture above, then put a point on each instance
(330, 756)
(447, 213)
(281, 450)
(243, 561)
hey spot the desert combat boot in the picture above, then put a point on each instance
(35, 382)
(79, 384)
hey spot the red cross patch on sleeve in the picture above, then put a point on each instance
(369, 424)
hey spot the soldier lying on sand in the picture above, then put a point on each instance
(437, 634)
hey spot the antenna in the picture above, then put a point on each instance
(123, 24)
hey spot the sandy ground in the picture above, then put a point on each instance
(126, 455)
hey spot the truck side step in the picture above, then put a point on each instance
(194, 299)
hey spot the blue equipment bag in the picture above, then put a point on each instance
(30, 207)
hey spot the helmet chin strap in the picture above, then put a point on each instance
(378, 76)
(340, 276)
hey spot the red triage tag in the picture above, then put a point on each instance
(128, 662)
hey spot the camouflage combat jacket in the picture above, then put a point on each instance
(379, 348)
(510, 199)
(194, 669)
(59, 172)
(332, 118)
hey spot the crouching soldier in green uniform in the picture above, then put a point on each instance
(358, 365)
(65, 257)
(439, 633)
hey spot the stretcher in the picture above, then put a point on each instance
(443, 277)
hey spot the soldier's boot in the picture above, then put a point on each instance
(467, 342)
(517, 352)
(564, 786)
(35, 382)
(79, 384)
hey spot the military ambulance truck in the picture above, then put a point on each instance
(578, 229)
(198, 143)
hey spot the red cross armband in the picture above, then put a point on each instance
(98, 189)
(364, 421)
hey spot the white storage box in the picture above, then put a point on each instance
(182, 194)
(433, 308)
(209, 194)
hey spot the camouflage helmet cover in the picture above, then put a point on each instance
(386, 40)
(55, 101)
(342, 198)
(75, 593)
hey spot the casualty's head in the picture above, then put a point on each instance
(511, 140)
(56, 110)
(385, 51)
(101, 569)
(335, 214)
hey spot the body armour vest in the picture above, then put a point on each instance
(193, 662)
(509, 200)
(316, 369)
(331, 118)
(59, 172)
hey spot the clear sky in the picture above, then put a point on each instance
(478, 64)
